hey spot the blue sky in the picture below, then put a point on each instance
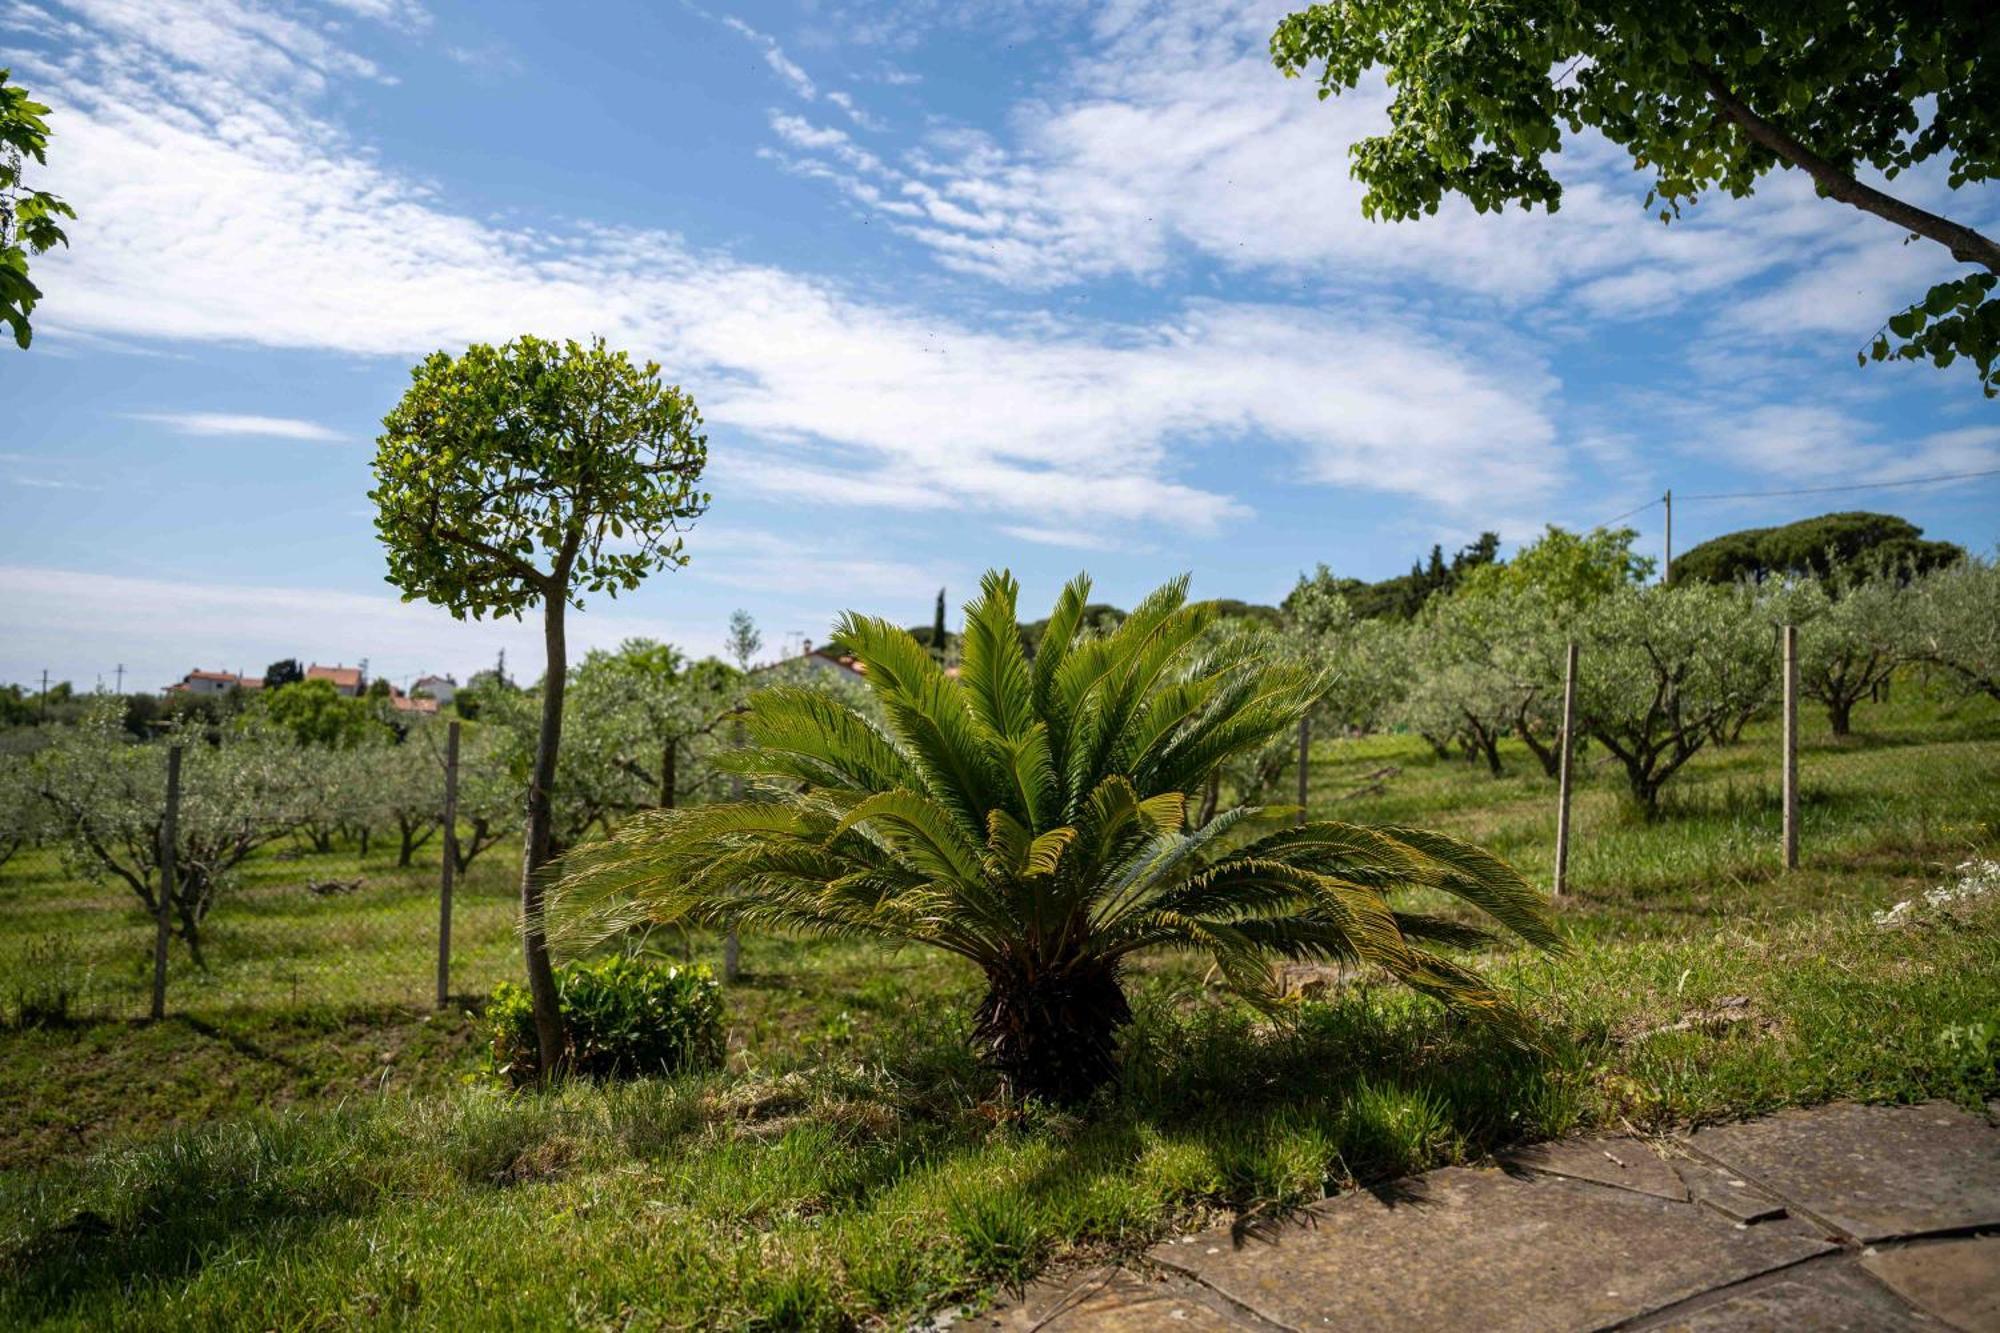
(1057, 287)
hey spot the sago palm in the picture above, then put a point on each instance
(1032, 817)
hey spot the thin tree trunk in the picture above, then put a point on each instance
(669, 756)
(536, 853)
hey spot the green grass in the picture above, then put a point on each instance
(851, 1163)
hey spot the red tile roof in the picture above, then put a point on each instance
(347, 676)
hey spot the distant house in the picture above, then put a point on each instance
(403, 703)
(819, 660)
(441, 688)
(346, 680)
(214, 682)
(843, 665)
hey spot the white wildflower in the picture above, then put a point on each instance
(1976, 880)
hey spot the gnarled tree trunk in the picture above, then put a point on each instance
(1052, 1033)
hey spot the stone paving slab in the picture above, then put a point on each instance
(1823, 1297)
(1464, 1248)
(1621, 1163)
(1727, 1193)
(1113, 1301)
(1956, 1280)
(1873, 1172)
(1841, 1217)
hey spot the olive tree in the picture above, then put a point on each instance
(1956, 622)
(523, 476)
(106, 799)
(1662, 666)
(1457, 698)
(649, 721)
(404, 788)
(1851, 640)
(23, 813)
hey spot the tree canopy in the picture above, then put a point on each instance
(1846, 545)
(1702, 96)
(534, 448)
(1571, 569)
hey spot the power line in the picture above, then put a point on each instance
(1808, 490)
(1852, 486)
(1628, 513)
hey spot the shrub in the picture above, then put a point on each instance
(624, 1018)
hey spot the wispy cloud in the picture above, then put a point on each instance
(1066, 537)
(236, 423)
(51, 484)
(300, 239)
(784, 66)
(1169, 139)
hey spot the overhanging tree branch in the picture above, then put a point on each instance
(1966, 245)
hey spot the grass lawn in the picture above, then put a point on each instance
(305, 1146)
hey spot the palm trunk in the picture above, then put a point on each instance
(536, 853)
(1052, 1034)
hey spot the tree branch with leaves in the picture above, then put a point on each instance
(1703, 96)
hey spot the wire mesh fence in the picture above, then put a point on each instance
(1900, 771)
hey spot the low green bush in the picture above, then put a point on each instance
(623, 1017)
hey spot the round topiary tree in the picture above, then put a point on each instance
(525, 475)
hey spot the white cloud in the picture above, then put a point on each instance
(808, 567)
(783, 65)
(1813, 444)
(234, 423)
(248, 43)
(251, 220)
(1170, 135)
(855, 112)
(1072, 538)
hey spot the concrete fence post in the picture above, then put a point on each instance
(169, 843)
(1568, 742)
(1791, 741)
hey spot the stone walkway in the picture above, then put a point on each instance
(1842, 1217)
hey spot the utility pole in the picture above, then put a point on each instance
(121, 678)
(45, 694)
(1667, 574)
